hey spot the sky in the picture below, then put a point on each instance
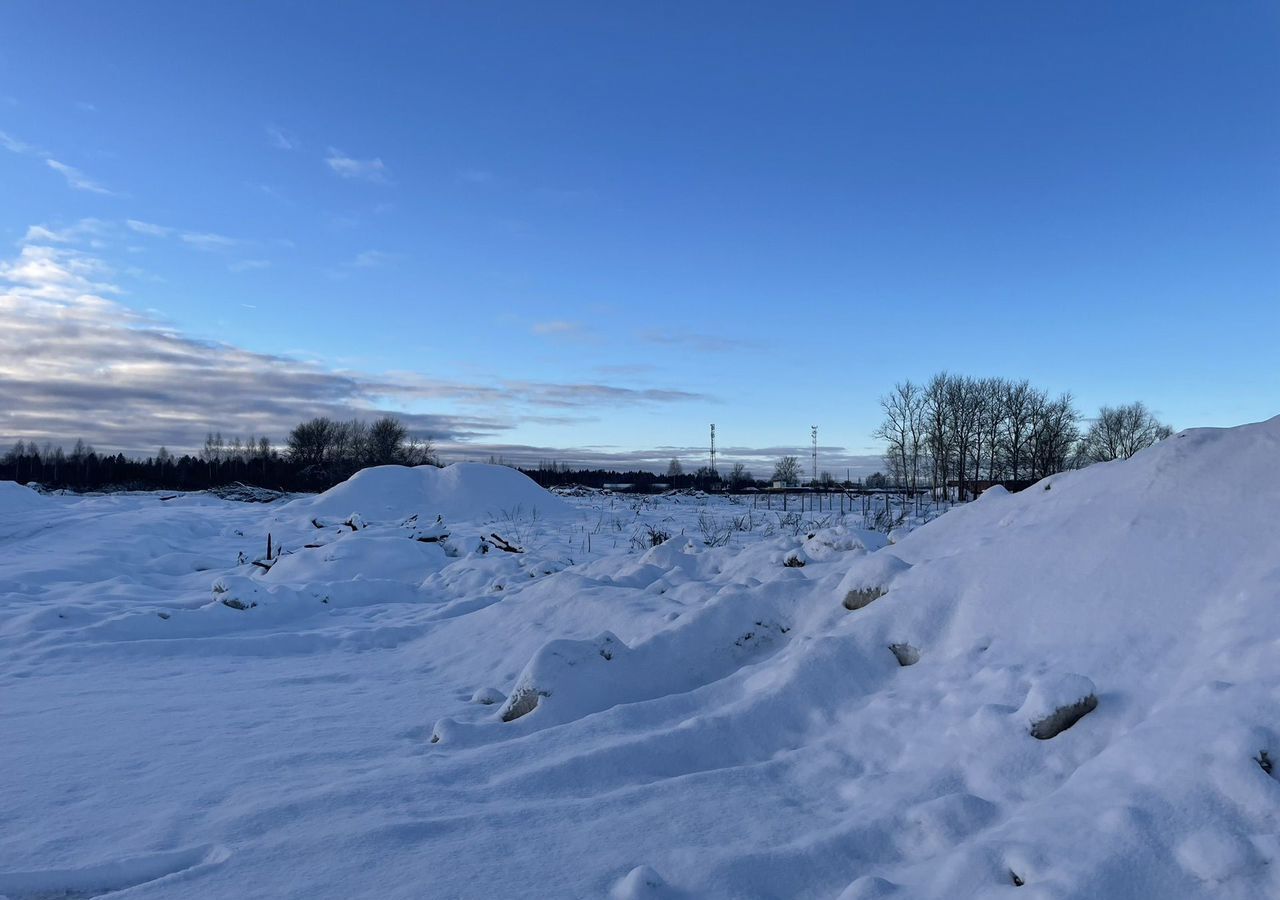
(585, 231)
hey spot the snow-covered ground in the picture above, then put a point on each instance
(397, 705)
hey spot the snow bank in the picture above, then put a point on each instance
(468, 492)
(18, 498)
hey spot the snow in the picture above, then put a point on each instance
(460, 491)
(697, 718)
(16, 499)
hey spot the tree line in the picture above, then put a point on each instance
(951, 431)
(961, 431)
(318, 454)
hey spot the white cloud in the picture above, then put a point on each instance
(148, 228)
(57, 274)
(76, 178)
(349, 167)
(90, 229)
(13, 145)
(200, 240)
(371, 259)
(282, 139)
(203, 240)
(248, 265)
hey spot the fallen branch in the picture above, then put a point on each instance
(502, 544)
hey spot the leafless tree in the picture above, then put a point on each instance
(961, 427)
(902, 429)
(420, 451)
(936, 415)
(1016, 400)
(1055, 434)
(787, 470)
(1121, 431)
(311, 443)
(971, 429)
(386, 442)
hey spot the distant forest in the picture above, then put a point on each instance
(317, 455)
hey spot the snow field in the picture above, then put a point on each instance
(397, 706)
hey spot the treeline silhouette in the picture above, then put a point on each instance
(555, 474)
(318, 454)
(966, 432)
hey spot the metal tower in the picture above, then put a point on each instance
(713, 447)
(813, 431)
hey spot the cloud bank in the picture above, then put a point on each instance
(77, 362)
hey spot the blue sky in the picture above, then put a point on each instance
(583, 229)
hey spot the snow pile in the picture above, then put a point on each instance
(460, 492)
(1069, 691)
(869, 579)
(17, 498)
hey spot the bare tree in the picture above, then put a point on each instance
(1016, 399)
(1055, 434)
(674, 469)
(386, 442)
(420, 451)
(1121, 431)
(976, 428)
(961, 426)
(936, 414)
(311, 442)
(982, 395)
(787, 470)
(902, 430)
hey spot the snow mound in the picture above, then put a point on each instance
(869, 578)
(641, 883)
(18, 498)
(1056, 703)
(1157, 576)
(467, 492)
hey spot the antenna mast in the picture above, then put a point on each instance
(713, 447)
(813, 431)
